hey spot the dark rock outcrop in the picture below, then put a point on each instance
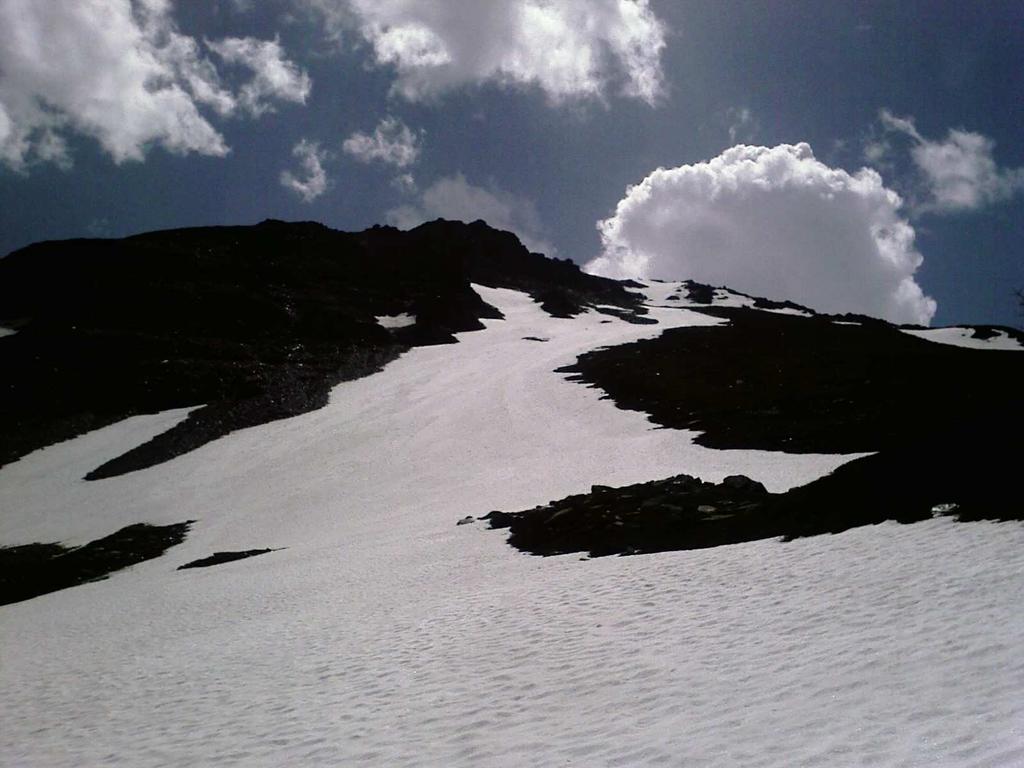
(34, 569)
(217, 558)
(807, 384)
(681, 512)
(685, 513)
(988, 332)
(945, 421)
(699, 293)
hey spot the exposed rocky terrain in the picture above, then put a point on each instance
(219, 558)
(683, 512)
(253, 323)
(31, 570)
(807, 384)
(945, 421)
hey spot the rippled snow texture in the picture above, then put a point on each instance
(385, 635)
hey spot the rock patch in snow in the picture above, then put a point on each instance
(217, 558)
(683, 512)
(804, 384)
(31, 570)
(699, 293)
(989, 337)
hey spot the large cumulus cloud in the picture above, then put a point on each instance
(775, 222)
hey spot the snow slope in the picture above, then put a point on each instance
(385, 635)
(675, 293)
(964, 337)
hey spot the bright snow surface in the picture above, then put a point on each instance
(402, 320)
(386, 635)
(964, 337)
(660, 292)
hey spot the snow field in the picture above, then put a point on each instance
(964, 337)
(386, 635)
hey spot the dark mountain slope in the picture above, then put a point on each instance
(807, 384)
(256, 323)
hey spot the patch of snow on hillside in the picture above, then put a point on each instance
(7, 331)
(403, 320)
(964, 337)
(669, 294)
(790, 311)
(386, 635)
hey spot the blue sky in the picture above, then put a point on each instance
(118, 117)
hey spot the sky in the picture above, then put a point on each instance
(852, 156)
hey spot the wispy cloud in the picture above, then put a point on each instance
(958, 173)
(273, 75)
(743, 126)
(392, 143)
(455, 198)
(312, 180)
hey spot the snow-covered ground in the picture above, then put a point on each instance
(964, 337)
(659, 292)
(402, 320)
(6, 331)
(385, 635)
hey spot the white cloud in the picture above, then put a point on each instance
(743, 126)
(902, 124)
(391, 142)
(455, 198)
(569, 48)
(405, 183)
(773, 222)
(313, 179)
(960, 173)
(115, 70)
(876, 151)
(274, 76)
